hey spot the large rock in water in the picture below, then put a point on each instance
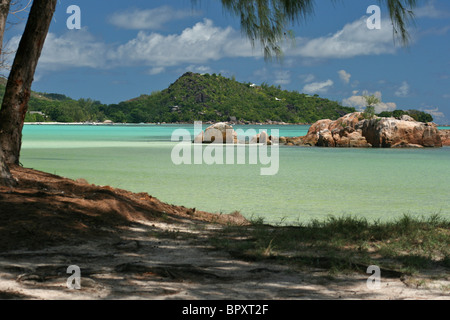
(391, 133)
(353, 130)
(224, 133)
(313, 133)
(220, 133)
(339, 133)
(445, 137)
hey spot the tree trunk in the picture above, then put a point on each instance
(6, 178)
(18, 88)
(4, 10)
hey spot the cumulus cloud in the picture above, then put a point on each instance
(354, 39)
(403, 90)
(359, 102)
(318, 87)
(72, 49)
(355, 101)
(199, 44)
(345, 77)
(193, 46)
(150, 19)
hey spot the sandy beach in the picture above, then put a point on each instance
(132, 246)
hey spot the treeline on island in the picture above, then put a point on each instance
(197, 97)
(415, 114)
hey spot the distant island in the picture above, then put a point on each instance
(193, 97)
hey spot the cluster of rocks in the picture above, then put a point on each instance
(233, 121)
(224, 133)
(352, 130)
(349, 131)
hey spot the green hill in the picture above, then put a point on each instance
(215, 98)
(44, 107)
(194, 97)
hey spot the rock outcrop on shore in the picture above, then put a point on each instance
(352, 130)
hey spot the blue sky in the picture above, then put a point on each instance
(128, 48)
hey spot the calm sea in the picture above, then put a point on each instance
(310, 183)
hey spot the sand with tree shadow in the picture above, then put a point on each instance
(133, 246)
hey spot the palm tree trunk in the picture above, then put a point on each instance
(18, 88)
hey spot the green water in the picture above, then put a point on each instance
(311, 182)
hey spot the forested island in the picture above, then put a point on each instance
(198, 97)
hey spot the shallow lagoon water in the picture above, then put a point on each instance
(379, 184)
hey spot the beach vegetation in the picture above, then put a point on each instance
(404, 245)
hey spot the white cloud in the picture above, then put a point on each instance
(359, 102)
(434, 112)
(307, 77)
(156, 70)
(193, 46)
(353, 40)
(72, 49)
(318, 87)
(198, 69)
(430, 11)
(199, 44)
(403, 90)
(150, 19)
(345, 77)
(435, 31)
(388, 106)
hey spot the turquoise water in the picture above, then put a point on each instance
(310, 183)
